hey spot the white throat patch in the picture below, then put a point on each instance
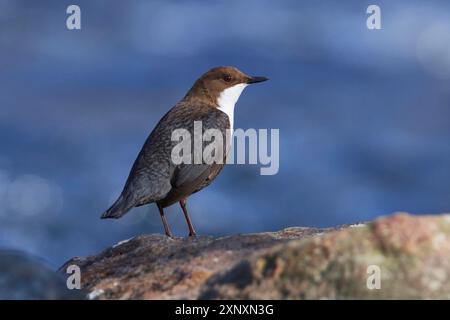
(228, 98)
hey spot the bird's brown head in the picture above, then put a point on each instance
(221, 85)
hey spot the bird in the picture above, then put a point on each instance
(154, 177)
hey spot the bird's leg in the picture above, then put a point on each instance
(164, 221)
(191, 228)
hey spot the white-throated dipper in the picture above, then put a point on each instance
(154, 176)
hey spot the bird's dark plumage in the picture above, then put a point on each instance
(154, 177)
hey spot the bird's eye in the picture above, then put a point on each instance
(226, 77)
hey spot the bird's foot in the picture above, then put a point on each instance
(192, 234)
(169, 235)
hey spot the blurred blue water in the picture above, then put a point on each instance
(364, 116)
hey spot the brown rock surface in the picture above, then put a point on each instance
(411, 252)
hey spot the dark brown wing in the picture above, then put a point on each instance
(190, 178)
(154, 177)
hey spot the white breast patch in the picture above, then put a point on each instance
(228, 98)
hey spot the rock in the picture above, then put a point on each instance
(25, 277)
(409, 253)
(157, 267)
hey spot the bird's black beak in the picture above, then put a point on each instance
(256, 79)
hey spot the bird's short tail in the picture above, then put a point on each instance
(118, 209)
